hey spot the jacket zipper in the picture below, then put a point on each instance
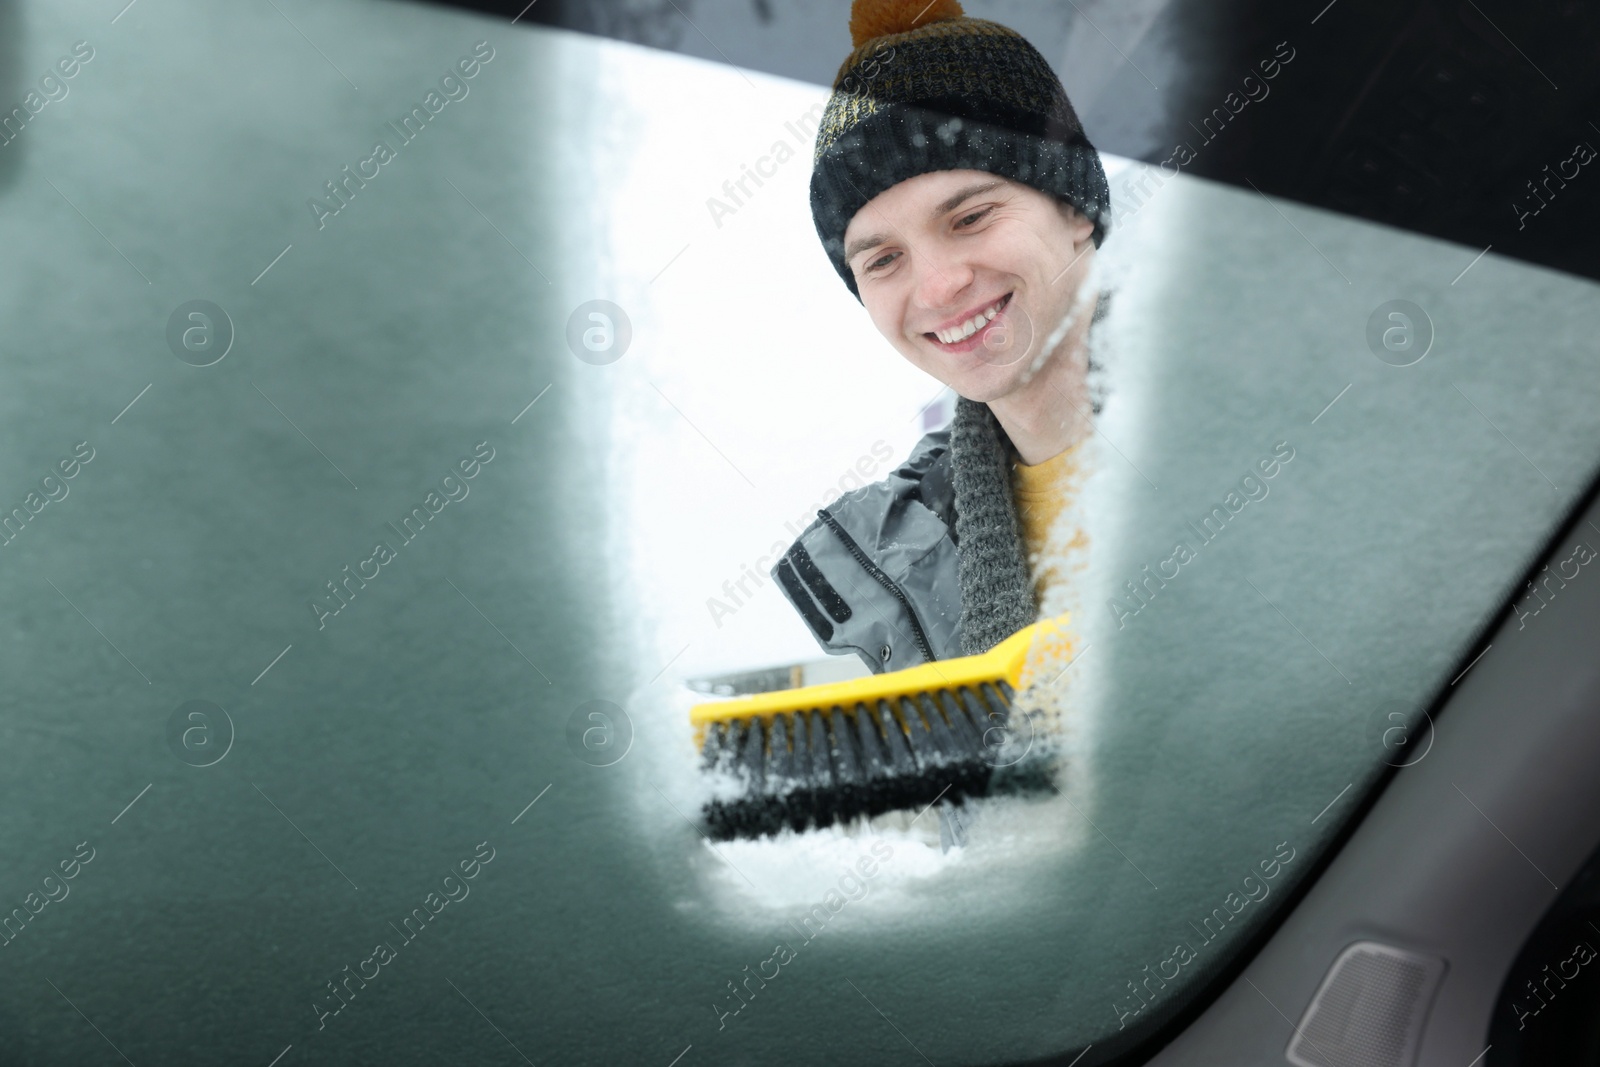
(882, 579)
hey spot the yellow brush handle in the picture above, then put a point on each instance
(1005, 660)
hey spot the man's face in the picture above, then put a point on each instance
(936, 254)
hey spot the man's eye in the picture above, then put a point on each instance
(883, 260)
(974, 215)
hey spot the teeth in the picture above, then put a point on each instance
(960, 333)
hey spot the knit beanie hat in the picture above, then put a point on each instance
(928, 89)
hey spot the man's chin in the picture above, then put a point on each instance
(983, 382)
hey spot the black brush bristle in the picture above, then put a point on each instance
(820, 766)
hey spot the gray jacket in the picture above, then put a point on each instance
(878, 573)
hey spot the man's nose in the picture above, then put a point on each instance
(941, 278)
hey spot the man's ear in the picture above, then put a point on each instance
(1082, 229)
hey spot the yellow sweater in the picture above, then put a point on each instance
(1041, 492)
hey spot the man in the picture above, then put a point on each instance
(959, 200)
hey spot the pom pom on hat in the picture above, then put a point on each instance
(876, 18)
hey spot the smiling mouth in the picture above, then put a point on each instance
(962, 337)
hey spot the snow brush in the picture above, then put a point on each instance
(822, 754)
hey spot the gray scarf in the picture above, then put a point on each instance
(996, 589)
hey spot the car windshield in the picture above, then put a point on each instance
(378, 516)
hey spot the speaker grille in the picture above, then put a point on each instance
(1369, 1010)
